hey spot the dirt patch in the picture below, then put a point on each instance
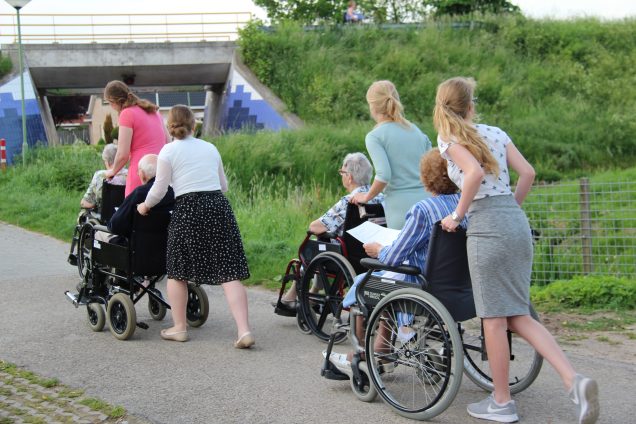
(581, 334)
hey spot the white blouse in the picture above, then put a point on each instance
(189, 165)
(491, 185)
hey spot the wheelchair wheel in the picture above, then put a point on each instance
(198, 306)
(364, 389)
(156, 309)
(525, 362)
(333, 275)
(96, 316)
(84, 245)
(414, 353)
(122, 317)
(301, 324)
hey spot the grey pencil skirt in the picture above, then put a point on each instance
(499, 246)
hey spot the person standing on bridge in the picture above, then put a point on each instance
(141, 130)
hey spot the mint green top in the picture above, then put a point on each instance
(395, 152)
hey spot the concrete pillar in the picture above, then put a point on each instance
(212, 113)
(47, 120)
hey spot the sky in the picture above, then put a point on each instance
(609, 9)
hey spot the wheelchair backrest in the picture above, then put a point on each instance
(112, 197)
(356, 215)
(312, 247)
(148, 243)
(447, 272)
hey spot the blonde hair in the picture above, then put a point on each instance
(119, 93)
(180, 121)
(384, 99)
(452, 105)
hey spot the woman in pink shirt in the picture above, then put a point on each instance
(141, 130)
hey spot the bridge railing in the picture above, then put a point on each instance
(118, 28)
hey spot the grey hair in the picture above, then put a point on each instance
(359, 167)
(148, 165)
(108, 154)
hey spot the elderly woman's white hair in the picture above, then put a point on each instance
(359, 167)
(108, 154)
(148, 165)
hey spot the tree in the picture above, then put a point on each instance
(305, 11)
(465, 7)
(108, 129)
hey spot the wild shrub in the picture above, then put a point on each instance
(593, 292)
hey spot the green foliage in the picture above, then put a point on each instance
(305, 11)
(593, 292)
(108, 128)
(561, 89)
(5, 65)
(114, 134)
(101, 142)
(466, 7)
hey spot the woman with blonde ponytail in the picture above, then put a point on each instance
(395, 146)
(204, 241)
(141, 130)
(499, 247)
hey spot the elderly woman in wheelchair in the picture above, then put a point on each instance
(327, 234)
(414, 325)
(121, 262)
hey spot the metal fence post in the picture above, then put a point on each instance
(586, 226)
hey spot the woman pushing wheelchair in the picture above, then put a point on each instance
(499, 247)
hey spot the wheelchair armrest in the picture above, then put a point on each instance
(376, 265)
(325, 235)
(101, 228)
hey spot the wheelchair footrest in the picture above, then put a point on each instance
(142, 325)
(332, 373)
(284, 310)
(72, 259)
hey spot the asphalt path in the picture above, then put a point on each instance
(206, 380)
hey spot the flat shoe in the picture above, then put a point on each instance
(245, 341)
(177, 336)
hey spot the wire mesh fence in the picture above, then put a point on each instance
(583, 228)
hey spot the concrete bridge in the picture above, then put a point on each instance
(234, 96)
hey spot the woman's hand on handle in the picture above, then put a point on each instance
(358, 198)
(143, 209)
(449, 224)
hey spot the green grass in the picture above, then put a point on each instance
(563, 90)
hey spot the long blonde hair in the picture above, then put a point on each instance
(119, 93)
(452, 105)
(384, 99)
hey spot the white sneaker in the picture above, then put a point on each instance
(584, 394)
(339, 360)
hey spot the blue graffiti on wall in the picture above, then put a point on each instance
(243, 108)
(11, 116)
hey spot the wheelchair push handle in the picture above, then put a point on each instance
(376, 265)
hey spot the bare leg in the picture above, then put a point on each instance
(178, 299)
(540, 338)
(236, 296)
(498, 356)
(290, 294)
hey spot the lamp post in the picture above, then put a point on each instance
(19, 4)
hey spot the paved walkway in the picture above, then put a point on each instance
(206, 380)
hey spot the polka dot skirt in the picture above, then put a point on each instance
(204, 242)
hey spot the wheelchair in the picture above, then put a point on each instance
(419, 338)
(321, 278)
(112, 196)
(116, 276)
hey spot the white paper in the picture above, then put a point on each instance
(368, 232)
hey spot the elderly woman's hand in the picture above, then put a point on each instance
(372, 249)
(143, 209)
(358, 198)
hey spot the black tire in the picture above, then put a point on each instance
(198, 306)
(122, 317)
(334, 274)
(96, 316)
(156, 309)
(417, 370)
(364, 390)
(525, 364)
(84, 246)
